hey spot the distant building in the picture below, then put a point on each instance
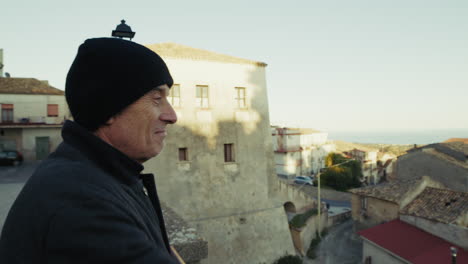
(370, 169)
(446, 163)
(428, 226)
(299, 151)
(374, 205)
(217, 169)
(32, 113)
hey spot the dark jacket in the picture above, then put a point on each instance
(86, 204)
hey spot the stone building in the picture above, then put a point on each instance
(217, 169)
(446, 163)
(373, 205)
(32, 113)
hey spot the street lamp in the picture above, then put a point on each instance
(123, 31)
(318, 194)
(454, 251)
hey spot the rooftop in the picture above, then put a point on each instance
(412, 244)
(445, 206)
(391, 191)
(455, 150)
(27, 86)
(178, 51)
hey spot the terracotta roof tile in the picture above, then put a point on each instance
(441, 205)
(27, 86)
(390, 191)
(173, 50)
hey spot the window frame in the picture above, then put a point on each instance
(229, 153)
(202, 95)
(49, 110)
(241, 96)
(8, 114)
(184, 156)
(171, 97)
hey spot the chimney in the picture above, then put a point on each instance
(454, 251)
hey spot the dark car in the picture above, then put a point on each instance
(10, 157)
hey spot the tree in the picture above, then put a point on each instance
(342, 177)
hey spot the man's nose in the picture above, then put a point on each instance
(168, 115)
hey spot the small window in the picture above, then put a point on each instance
(364, 203)
(183, 155)
(202, 96)
(7, 113)
(52, 110)
(174, 95)
(240, 97)
(229, 153)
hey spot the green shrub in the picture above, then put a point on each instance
(289, 259)
(299, 220)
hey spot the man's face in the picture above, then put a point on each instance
(139, 130)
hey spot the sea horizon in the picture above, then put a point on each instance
(398, 137)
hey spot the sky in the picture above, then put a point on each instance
(361, 65)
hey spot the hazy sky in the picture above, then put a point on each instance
(332, 65)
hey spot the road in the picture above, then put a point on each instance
(12, 180)
(342, 245)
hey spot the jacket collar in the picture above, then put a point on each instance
(101, 153)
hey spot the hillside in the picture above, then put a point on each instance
(388, 148)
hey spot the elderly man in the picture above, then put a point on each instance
(89, 202)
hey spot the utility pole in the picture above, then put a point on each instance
(318, 194)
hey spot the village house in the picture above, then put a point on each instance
(370, 168)
(217, 169)
(428, 228)
(446, 163)
(299, 151)
(32, 113)
(373, 205)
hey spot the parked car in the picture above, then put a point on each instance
(303, 180)
(10, 157)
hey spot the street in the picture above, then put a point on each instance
(341, 245)
(12, 179)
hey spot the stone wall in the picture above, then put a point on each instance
(377, 212)
(255, 237)
(379, 255)
(457, 235)
(428, 162)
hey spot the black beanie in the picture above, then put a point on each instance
(107, 75)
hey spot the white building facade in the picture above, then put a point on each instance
(299, 151)
(32, 114)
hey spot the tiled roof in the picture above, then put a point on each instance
(445, 206)
(27, 86)
(391, 191)
(412, 244)
(456, 150)
(173, 50)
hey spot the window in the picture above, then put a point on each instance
(229, 153)
(183, 155)
(174, 95)
(202, 96)
(240, 97)
(52, 110)
(7, 113)
(364, 203)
